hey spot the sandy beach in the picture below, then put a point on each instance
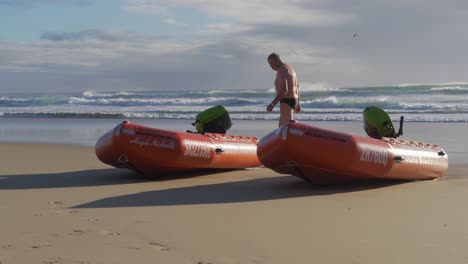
(59, 204)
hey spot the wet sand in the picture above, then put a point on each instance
(59, 204)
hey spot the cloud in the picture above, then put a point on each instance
(399, 42)
(248, 12)
(29, 3)
(85, 35)
(170, 21)
(145, 7)
(133, 62)
(91, 51)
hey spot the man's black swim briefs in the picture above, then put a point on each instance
(292, 102)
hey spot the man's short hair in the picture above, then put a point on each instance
(274, 56)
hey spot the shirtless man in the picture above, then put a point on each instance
(287, 89)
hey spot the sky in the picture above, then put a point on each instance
(129, 45)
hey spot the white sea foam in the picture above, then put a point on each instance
(422, 103)
(449, 88)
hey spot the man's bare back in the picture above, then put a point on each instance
(286, 82)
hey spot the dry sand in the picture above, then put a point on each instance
(59, 204)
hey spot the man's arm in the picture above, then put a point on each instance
(282, 88)
(298, 107)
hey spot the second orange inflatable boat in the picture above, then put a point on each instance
(156, 152)
(324, 156)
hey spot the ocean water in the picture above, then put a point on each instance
(426, 103)
(435, 114)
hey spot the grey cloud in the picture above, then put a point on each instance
(201, 67)
(33, 3)
(398, 42)
(85, 34)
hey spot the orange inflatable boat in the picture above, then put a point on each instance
(324, 156)
(157, 152)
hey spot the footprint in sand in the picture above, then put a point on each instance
(56, 204)
(78, 232)
(37, 246)
(158, 246)
(110, 233)
(51, 261)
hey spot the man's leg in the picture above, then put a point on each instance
(286, 114)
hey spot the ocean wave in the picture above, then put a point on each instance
(94, 94)
(61, 115)
(225, 92)
(444, 88)
(414, 116)
(438, 101)
(397, 90)
(210, 101)
(334, 102)
(5, 101)
(384, 102)
(451, 90)
(433, 84)
(24, 102)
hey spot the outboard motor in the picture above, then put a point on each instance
(213, 120)
(378, 124)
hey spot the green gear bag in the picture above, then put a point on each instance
(213, 120)
(377, 123)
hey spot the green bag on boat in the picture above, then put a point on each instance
(378, 124)
(213, 120)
